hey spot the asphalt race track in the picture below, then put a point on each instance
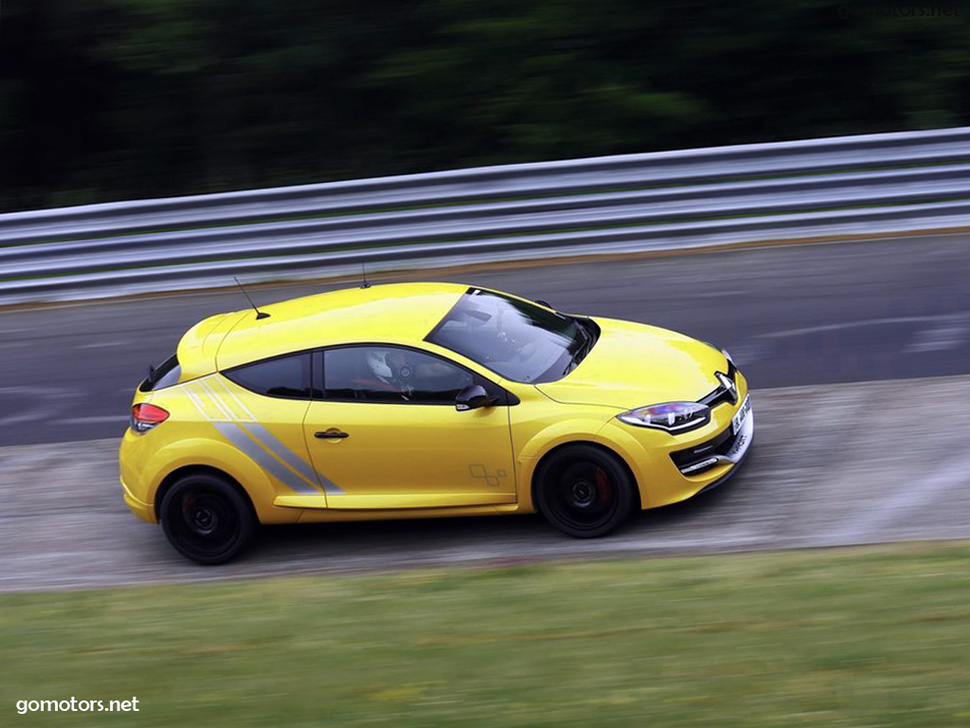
(815, 478)
(789, 315)
(852, 463)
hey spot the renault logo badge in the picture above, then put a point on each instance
(730, 387)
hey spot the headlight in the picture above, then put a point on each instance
(672, 416)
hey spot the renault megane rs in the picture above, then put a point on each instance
(418, 400)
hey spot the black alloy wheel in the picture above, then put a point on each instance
(584, 491)
(206, 519)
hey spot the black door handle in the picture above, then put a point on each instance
(332, 434)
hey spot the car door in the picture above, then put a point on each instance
(387, 433)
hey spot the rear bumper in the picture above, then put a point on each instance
(145, 511)
(133, 452)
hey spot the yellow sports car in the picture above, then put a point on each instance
(425, 399)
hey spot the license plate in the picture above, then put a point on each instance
(741, 415)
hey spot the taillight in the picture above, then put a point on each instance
(146, 416)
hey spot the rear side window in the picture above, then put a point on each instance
(164, 375)
(283, 376)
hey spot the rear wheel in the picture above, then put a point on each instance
(206, 519)
(584, 491)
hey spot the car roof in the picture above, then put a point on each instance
(393, 313)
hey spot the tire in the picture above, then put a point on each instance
(206, 519)
(584, 491)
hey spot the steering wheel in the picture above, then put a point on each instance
(402, 377)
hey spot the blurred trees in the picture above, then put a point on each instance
(117, 99)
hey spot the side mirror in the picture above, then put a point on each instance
(472, 397)
(543, 303)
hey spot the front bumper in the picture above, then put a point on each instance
(727, 465)
(725, 448)
(658, 459)
(736, 466)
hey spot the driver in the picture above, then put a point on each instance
(389, 368)
(393, 370)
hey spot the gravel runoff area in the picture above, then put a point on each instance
(832, 465)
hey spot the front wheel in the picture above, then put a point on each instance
(206, 519)
(584, 491)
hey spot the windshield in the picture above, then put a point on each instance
(516, 339)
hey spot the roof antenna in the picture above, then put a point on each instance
(363, 271)
(259, 314)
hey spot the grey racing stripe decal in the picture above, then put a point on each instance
(249, 416)
(251, 437)
(269, 440)
(217, 401)
(237, 437)
(199, 404)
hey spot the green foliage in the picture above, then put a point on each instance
(115, 99)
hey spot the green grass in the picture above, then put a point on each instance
(849, 637)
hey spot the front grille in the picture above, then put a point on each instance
(722, 394)
(720, 444)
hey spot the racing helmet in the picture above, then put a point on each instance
(377, 363)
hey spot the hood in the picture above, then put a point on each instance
(633, 365)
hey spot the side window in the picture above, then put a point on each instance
(282, 376)
(393, 375)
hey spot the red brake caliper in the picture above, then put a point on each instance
(603, 486)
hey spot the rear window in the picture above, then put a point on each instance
(164, 375)
(284, 376)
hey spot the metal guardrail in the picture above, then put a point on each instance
(871, 184)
